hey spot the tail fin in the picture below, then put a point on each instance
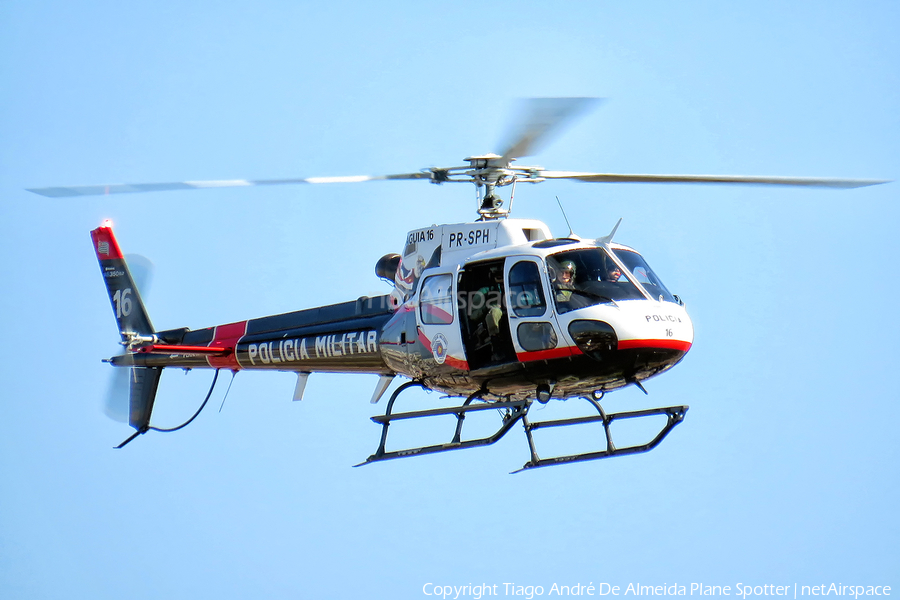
(134, 325)
(131, 316)
(143, 384)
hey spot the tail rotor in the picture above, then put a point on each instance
(116, 402)
(135, 328)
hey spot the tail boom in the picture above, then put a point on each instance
(345, 341)
(340, 338)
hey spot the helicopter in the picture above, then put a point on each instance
(495, 313)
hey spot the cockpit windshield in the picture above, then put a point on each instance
(590, 276)
(587, 277)
(644, 275)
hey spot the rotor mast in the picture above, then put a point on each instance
(489, 172)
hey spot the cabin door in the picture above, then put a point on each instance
(483, 315)
(532, 322)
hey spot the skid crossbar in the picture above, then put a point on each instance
(450, 410)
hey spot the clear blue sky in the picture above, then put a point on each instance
(785, 469)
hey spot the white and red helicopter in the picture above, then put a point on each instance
(496, 312)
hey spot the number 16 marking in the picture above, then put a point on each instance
(123, 302)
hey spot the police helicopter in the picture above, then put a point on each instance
(496, 313)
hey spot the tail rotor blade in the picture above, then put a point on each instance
(141, 269)
(116, 403)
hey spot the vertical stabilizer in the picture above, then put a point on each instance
(144, 381)
(128, 308)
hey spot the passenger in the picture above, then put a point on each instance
(565, 281)
(488, 309)
(486, 316)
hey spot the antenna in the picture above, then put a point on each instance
(608, 238)
(571, 231)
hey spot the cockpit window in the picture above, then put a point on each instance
(645, 275)
(587, 277)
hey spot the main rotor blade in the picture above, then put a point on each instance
(726, 179)
(134, 188)
(541, 117)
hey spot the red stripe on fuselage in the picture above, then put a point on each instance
(622, 345)
(563, 352)
(456, 363)
(227, 336)
(667, 344)
(172, 349)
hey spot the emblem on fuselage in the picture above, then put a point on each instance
(439, 348)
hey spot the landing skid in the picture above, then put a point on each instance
(675, 416)
(517, 410)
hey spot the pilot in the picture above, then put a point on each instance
(613, 272)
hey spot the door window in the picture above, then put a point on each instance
(526, 292)
(536, 335)
(436, 300)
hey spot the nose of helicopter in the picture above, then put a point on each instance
(660, 325)
(647, 335)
